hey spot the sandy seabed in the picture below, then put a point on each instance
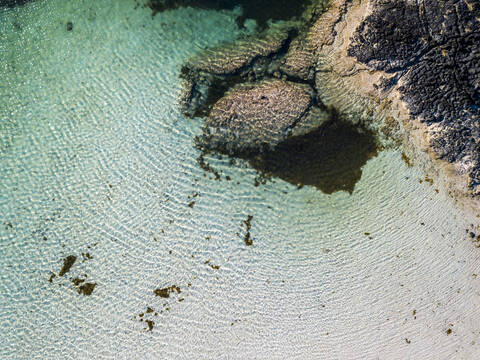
(97, 162)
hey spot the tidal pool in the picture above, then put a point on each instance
(116, 243)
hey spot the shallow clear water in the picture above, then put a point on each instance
(95, 157)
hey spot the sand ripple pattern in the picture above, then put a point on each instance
(96, 158)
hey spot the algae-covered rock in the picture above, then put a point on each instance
(254, 116)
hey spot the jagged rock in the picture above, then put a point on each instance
(251, 117)
(416, 62)
(434, 48)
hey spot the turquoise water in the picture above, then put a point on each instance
(96, 158)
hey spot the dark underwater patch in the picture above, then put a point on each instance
(330, 158)
(260, 10)
(12, 3)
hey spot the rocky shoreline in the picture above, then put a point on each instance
(409, 71)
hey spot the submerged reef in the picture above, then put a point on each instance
(407, 73)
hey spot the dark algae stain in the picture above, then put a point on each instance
(150, 324)
(165, 292)
(214, 267)
(12, 3)
(77, 281)
(69, 26)
(147, 318)
(86, 256)
(248, 224)
(406, 160)
(260, 10)
(330, 158)
(206, 166)
(87, 288)
(83, 287)
(67, 264)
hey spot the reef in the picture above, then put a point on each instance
(406, 71)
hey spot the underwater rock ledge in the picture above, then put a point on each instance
(410, 71)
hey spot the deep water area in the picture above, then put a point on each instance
(261, 10)
(119, 239)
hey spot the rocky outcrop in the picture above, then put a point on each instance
(431, 51)
(408, 70)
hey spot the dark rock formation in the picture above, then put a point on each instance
(434, 48)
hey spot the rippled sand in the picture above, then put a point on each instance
(97, 162)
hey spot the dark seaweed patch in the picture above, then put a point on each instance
(52, 276)
(214, 267)
(142, 317)
(87, 288)
(150, 324)
(260, 10)
(77, 281)
(406, 160)
(330, 158)
(206, 166)
(67, 264)
(165, 292)
(248, 224)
